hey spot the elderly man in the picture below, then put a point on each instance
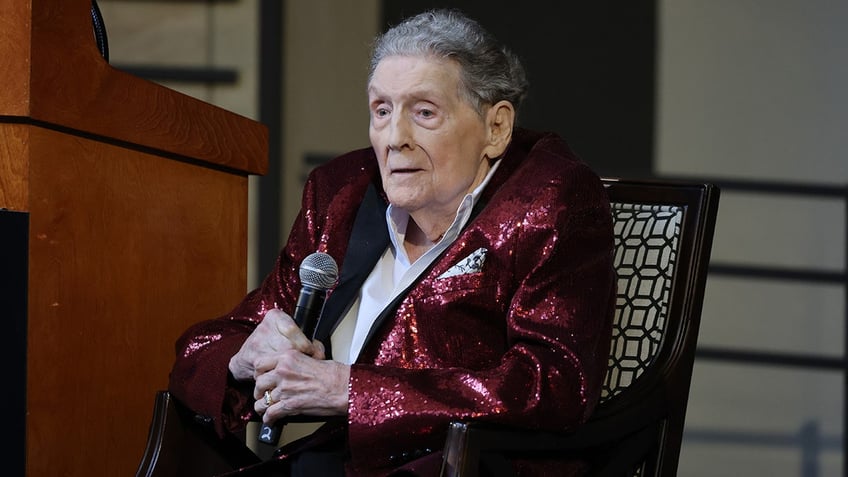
(476, 278)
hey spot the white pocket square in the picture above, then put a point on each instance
(470, 264)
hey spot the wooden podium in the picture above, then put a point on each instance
(136, 198)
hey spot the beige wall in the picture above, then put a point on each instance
(325, 109)
(210, 34)
(755, 89)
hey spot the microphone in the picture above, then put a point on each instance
(318, 273)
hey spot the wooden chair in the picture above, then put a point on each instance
(177, 446)
(663, 238)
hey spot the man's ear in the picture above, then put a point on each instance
(500, 119)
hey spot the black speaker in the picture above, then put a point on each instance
(14, 258)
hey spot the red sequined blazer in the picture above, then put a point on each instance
(521, 339)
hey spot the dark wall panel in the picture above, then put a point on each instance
(590, 66)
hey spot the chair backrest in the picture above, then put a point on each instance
(663, 239)
(646, 244)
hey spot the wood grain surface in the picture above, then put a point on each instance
(138, 227)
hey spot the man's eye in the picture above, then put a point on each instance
(426, 113)
(381, 112)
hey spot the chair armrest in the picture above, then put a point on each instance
(614, 441)
(160, 436)
(178, 446)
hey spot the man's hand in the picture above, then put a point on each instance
(277, 333)
(301, 384)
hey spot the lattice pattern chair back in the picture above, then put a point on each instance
(646, 242)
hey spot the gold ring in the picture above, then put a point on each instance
(268, 400)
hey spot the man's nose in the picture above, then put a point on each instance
(400, 132)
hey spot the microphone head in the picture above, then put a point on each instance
(319, 270)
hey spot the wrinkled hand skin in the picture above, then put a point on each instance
(282, 360)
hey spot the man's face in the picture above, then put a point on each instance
(429, 141)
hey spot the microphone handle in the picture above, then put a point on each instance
(310, 304)
(270, 434)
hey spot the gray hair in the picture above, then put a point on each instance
(489, 71)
